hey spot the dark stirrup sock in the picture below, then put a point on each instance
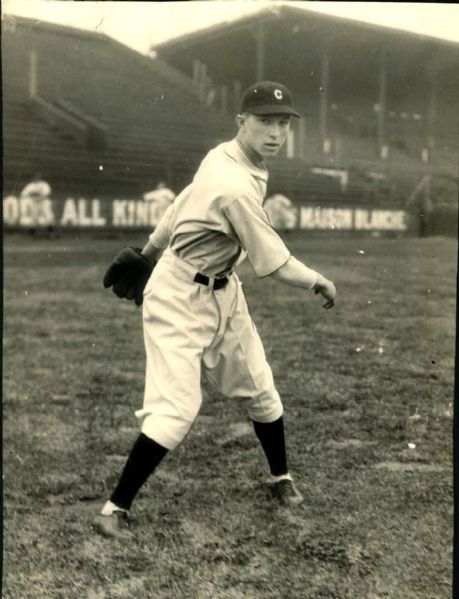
(272, 439)
(145, 455)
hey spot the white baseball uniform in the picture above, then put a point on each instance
(192, 330)
(36, 204)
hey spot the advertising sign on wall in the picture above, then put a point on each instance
(80, 213)
(127, 213)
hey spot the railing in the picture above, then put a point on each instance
(72, 122)
(96, 132)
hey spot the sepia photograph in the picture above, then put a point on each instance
(229, 299)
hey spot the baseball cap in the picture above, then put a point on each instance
(268, 97)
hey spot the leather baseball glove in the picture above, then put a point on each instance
(128, 274)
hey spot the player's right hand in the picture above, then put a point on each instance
(128, 274)
(327, 289)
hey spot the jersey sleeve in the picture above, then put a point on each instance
(161, 235)
(265, 249)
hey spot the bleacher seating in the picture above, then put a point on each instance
(154, 129)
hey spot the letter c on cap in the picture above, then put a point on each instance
(278, 94)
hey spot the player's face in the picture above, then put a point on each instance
(266, 134)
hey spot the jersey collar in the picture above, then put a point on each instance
(237, 152)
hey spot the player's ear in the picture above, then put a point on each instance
(240, 120)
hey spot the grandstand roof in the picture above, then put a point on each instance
(10, 22)
(286, 44)
(301, 17)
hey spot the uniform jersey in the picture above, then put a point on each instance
(219, 217)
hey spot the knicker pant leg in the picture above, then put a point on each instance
(179, 321)
(172, 396)
(236, 364)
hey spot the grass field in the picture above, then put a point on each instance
(368, 391)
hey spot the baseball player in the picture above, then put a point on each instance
(36, 203)
(161, 195)
(195, 317)
(280, 211)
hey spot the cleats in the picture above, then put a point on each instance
(285, 492)
(114, 526)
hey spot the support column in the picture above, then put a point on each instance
(432, 113)
(381, 113)
(301, 139)
(290, 145)
(224, 99)
(196, 74)
(203, 82)
(323, 99)
(33, 78)
(169, 170)
(260, 52)
(237, 95)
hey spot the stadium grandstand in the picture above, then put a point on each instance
(97, 119)
(381, 103)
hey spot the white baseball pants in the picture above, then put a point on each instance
(193, 331)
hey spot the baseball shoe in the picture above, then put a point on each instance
(115, 525)
(286, 493)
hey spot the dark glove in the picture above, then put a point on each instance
(128, 274)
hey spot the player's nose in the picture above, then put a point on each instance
(274, 131)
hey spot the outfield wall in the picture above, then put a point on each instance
(119, 213)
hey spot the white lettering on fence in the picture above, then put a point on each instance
(69, 214)
(382, 220)
(10, 210)
(83, 213)
(325, 218)
(136, 213)
(25, 212)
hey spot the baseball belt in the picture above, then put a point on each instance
(204, 280)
